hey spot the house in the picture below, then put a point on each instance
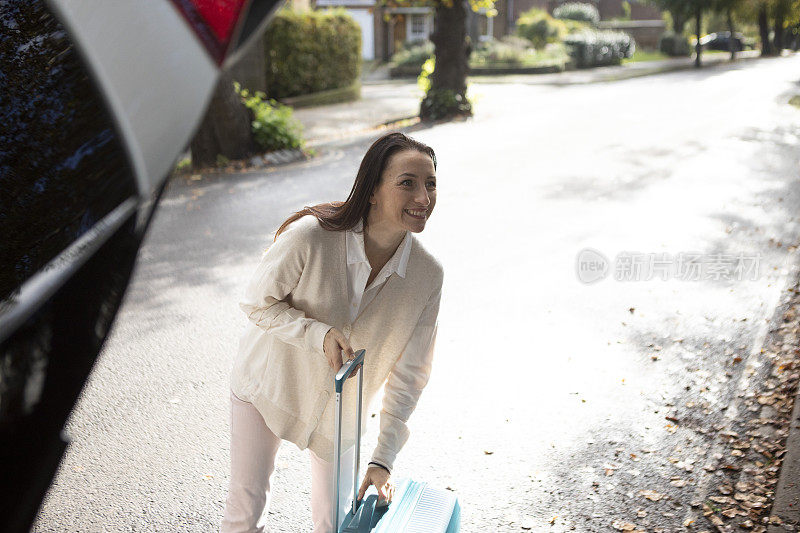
(386, 27)
(508, 11)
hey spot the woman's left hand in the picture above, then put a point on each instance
(380, 478)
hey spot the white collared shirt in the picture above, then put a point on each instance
(412, 370)
(359, 269)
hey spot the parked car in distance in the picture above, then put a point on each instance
(98, 99)
(721, 41)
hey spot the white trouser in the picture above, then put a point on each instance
(253, 451)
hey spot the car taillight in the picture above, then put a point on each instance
(214, 22)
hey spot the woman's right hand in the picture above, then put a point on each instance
(337, 349)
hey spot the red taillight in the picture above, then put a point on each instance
(213, 21)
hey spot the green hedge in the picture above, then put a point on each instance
(311, 51)
(510, 50)
(674, 45)
(540, 28)
(578, 11)
(598, 48)
(412, 54)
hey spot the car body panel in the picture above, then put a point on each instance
(99, 98)
(155, 101)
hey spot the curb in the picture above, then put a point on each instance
(616, 73)
(277, 158)
(785, 512)
(255, 165)
(786, 506)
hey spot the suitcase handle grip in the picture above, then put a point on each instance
(356, 363)
(347, 368)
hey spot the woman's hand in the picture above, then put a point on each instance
(337, 349)
(380, 478)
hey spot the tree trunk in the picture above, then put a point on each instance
(225, 129)
(763, 30)
(778, 38)
(731, 42)
(698, 19)
(451, 52)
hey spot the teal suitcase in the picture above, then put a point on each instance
(416, 507)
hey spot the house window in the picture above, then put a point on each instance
(418, 27)
(485, 26)
(417, 24)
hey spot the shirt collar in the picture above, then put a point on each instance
(357, 254)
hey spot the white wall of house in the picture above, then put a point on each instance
(363, 16)
(367, 22)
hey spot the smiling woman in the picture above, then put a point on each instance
(352, 274)
(408, 188)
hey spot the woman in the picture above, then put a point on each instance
(339, 276)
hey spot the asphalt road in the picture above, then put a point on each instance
(546, 406)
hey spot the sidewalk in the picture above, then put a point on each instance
(616, 72)
(380, 103)
(385, 101)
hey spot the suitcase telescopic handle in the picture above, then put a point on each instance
(341, 375)
(338, 381)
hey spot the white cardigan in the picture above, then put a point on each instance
(281, 368)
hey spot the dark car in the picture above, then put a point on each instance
(97, 101)
(721, 41)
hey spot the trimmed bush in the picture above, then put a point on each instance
(598, 48)
(674, 45)
(577, 11)
(311, 51)
(413, 55)
(511, 50)
(540, 28)
(576, 26)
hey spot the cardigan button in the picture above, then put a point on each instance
(346, 330)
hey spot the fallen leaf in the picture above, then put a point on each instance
(651, 495)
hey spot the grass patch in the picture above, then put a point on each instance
(645, 55)
(795, 100)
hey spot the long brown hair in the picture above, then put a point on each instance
(339, 216)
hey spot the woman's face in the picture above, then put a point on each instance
(405, 196)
